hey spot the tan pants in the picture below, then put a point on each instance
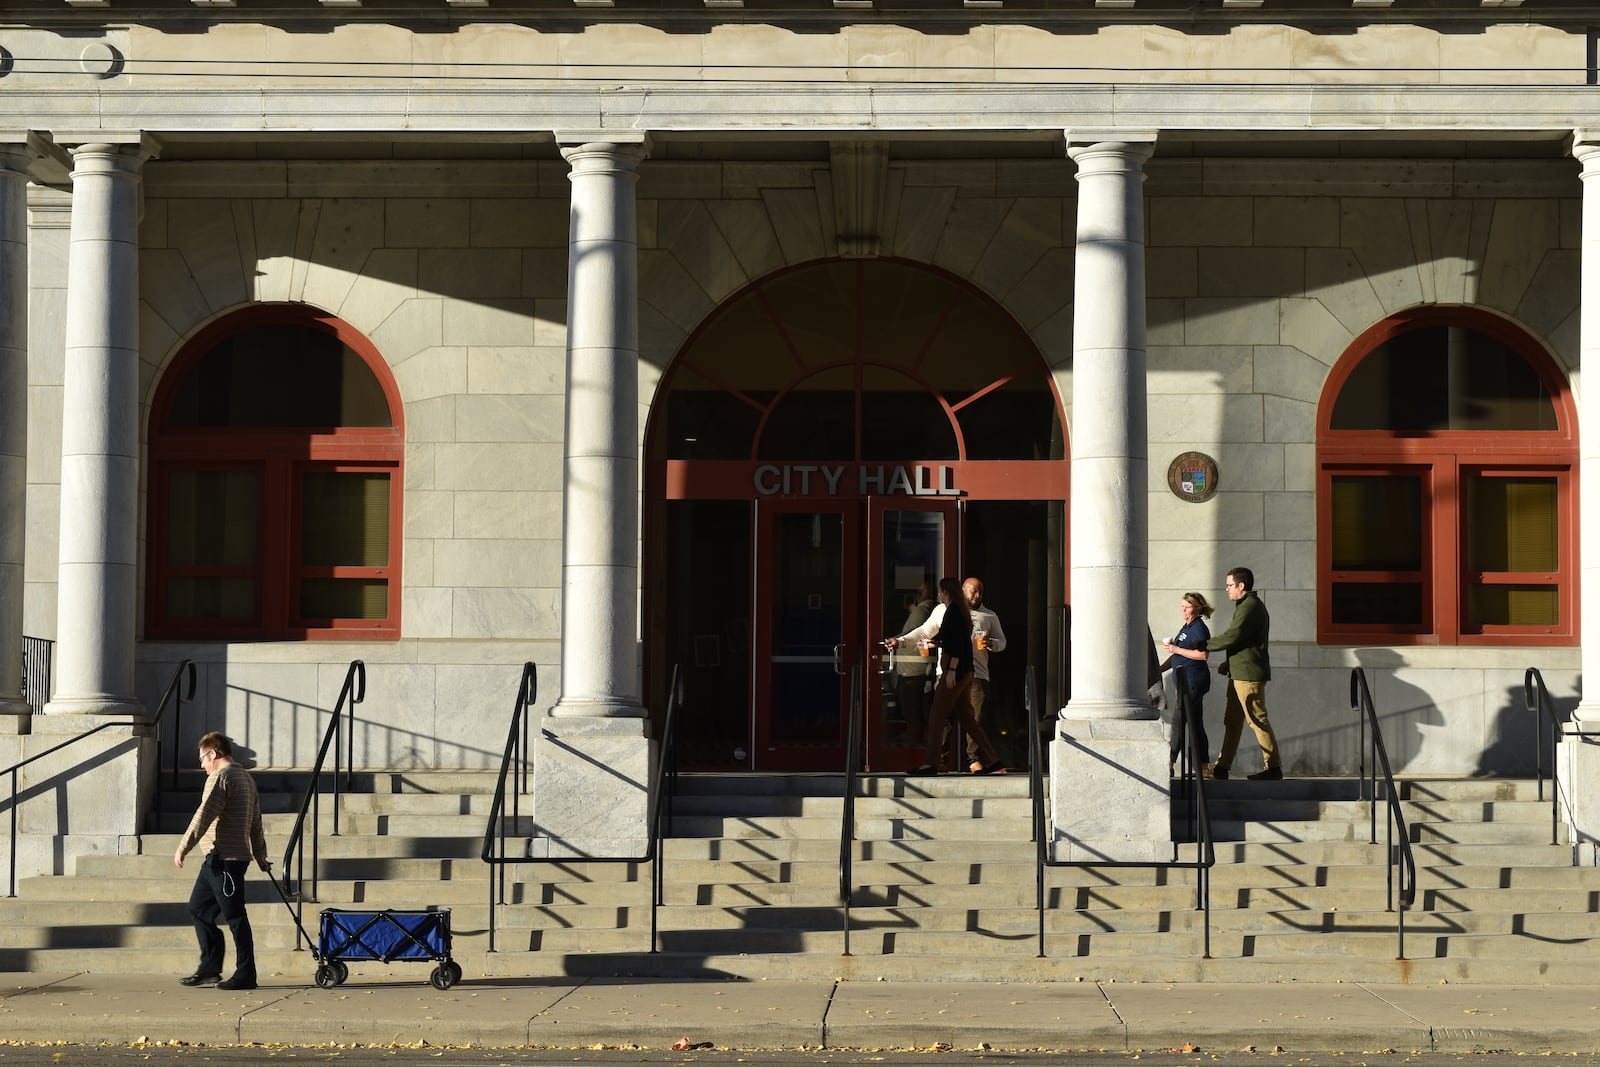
(1247, 700)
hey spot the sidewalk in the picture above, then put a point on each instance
(396, 1006)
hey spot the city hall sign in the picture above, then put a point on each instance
(865, 479)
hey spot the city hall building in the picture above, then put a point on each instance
(634, 337)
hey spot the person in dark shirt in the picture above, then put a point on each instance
(1190, 713)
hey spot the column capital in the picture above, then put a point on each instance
(622, 143)
(1584, 146)
(1136, 143)
(19, 149)
(103, 156)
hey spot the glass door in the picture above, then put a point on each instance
(911, 545)
(807, 607)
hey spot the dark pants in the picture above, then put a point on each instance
(1190, 714)
(219, 893)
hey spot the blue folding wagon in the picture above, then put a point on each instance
(384, 937)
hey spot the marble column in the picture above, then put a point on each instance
(15, 157)
(591, 778)
(1109, 761)
(97, 572)
(1579, 763)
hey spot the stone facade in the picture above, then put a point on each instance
(1308, 178)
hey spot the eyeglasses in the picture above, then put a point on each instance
(207, 757)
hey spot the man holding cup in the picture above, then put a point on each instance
(987, 636)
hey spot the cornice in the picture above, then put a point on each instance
(815, 14)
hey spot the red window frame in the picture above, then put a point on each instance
(280, 457)
(1446, 458)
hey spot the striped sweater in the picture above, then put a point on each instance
(228, 821)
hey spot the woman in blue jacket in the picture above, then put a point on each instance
(1191, 715)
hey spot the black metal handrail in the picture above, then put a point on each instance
(185, 669)
(1400, 858)
(663, 783)
(847, 821)
(514, 765)
(1205, 850)
(353, 692)
(1537, 699)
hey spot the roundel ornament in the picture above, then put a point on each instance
(1193, 477)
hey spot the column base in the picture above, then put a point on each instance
(1126, 710)
(569, 710)
(1109, 791)
(99, 707)
(591, 786)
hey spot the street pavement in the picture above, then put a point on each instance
(395, 1006)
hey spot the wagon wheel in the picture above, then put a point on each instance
(442, 977)
(327, 977)
(341, 970)
(455, 971)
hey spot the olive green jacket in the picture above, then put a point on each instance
(1245, 641)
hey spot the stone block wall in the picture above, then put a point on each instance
(1260, 273)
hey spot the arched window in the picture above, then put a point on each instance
(1446, 456)
(859, 360)
(275, 484)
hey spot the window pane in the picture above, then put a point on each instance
(816, 421)
(1377, 522)
(1511, 524)
(211, 518)
(704, 421)
(1443, 378)
(280, 375)
(211, 598)
(1513, 605)
(344, 519)
(902, 420)
(1378, 603)
(344, 598)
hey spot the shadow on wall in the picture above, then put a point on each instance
(280, 731)
(1403, 709)
(1511, 746)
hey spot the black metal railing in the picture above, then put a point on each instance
(1537, 699)
(847, 821)
(177, 697)
(1205, 850)
(514, 767)
(1401, 863)
(174, 689)
(341, 724)
(37, 653)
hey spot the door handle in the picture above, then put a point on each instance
(838, 660)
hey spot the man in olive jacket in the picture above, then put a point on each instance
(1249, 669)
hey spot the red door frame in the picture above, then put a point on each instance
(767, 754)
(880, 756)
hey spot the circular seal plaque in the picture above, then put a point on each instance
(1193, 477)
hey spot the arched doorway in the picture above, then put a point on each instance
(833, 438)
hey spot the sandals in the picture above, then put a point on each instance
(997, 767)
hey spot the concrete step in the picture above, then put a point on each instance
(889, 828)
(349, 844)
(1328, 829)
(866, 808)
(1359, 853)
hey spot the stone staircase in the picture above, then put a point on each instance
(943, 887)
